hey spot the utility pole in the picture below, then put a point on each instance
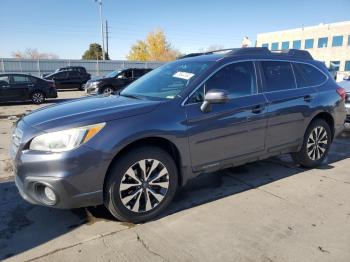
(102, 31)
(107, 37)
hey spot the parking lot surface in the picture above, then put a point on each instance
(270, 210)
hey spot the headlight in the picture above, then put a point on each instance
(95, 84)
(65, 140)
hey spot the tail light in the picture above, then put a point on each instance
(341, 92)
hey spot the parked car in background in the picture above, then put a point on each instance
(114, 81)
(346, 85)
(69, 78)
(80, 69)
(200, 114)
(22, 87)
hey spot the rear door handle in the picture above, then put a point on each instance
(308, 98)
(257, 109)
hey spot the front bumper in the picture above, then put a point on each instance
(347, 119)
(52, 94)
(75, 177)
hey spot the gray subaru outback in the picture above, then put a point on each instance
(201, 113)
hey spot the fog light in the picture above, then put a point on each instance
(50, 195)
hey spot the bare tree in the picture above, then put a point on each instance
(33, 53)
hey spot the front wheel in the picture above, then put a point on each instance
(316, 144)
(141, 184)
(37, 97)
(107, 90)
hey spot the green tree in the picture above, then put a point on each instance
(154, 48)
(94, 53)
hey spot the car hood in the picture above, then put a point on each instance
(88, 110)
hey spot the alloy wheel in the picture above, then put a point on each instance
(108, 90)
(144, 185)
(317, 143)
(38, 98)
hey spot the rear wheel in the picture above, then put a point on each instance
(141, 184)
(316, 144)
(37, 97)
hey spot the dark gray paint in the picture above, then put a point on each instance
(231, 134)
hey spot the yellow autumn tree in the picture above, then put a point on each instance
(154, 48)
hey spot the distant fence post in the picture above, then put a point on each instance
(123, 64)
(97, 68)
(3, 65)
(39, 68)
(20, 66)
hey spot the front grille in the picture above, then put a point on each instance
(15, 141)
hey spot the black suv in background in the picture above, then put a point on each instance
(114, 81)
(22, 87)
(200, 114)
(69, 77)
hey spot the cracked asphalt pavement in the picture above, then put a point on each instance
(270, 210)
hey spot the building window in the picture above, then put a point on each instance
(337, 40)
(334, 65)
(285, 45)
(274, 46)
(309, 43)
(265, 45)
(297, 44)
(322, 42)
(348, 39)
(347, 66)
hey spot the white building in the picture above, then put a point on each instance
(329, 43)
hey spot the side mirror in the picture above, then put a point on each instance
(3, 83)
(214, 96)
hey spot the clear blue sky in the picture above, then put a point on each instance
(67, 27)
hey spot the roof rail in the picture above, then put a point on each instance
(256, 51)
(295, 53)
(206, 53)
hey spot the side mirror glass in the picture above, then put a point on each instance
(214, 96)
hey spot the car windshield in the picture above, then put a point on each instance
(113, 74)
(166, 81)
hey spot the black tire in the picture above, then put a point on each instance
(118, 177)
(81, 87)
(37, 97)
(311, 155)
(107, 90)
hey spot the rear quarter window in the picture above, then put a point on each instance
(308, 75)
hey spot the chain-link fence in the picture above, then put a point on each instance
(45, 66)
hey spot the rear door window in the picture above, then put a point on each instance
(300, 77)
(138, 73)
(311, 76)
(278, 75)
(73, 74)
(18, 79)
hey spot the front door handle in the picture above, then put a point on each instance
(30, 85)
(257, 109)
(308, 98)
